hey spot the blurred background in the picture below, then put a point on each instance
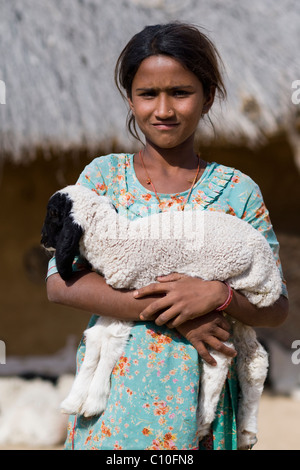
(59, 109)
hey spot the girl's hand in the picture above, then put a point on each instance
(183, 298)
(211, 330)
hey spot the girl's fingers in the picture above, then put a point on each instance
(154, 308)
(215, 345)
(167, 316)
(170, 277)
(151, 289)
(204, 354)
(221, 335)
(180, 319)
(222, 348)
(157, 287)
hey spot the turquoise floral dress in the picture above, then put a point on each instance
(155, 383)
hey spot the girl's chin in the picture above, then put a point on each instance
(167, 145)
(168, 141)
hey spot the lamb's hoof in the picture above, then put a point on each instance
(92, 408)
(203, 431)
(246, 440)
(88, 412)
(69, 408)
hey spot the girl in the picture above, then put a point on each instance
(170, 75)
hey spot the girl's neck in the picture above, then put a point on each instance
(169, 160)
(170, 170)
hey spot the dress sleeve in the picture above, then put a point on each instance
(79, 264)
(257, 214)
(91, 177)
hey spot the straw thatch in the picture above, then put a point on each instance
(57, 61)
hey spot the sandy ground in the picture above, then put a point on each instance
(279, 423)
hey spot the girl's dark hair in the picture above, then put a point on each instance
(183, 42)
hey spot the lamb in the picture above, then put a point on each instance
(130, 254)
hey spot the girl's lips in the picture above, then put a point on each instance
(165, 125)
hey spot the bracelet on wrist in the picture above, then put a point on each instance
(228, 300)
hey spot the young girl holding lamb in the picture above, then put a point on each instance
(170, 75)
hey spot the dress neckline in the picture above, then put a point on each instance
(165, 195)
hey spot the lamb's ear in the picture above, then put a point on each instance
(67, 247)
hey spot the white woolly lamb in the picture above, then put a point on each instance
(130, 254)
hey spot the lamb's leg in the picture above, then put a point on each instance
(211, 384)
(252, 368)
(77, 396)
(111, 350)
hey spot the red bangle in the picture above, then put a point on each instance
(228, 300)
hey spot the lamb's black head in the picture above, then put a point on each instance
(58, 208)
(61, 233)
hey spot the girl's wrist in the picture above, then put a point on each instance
(225, 296)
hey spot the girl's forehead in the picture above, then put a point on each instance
(160, 70)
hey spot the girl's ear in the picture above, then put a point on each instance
(129, 99)
(209, 100)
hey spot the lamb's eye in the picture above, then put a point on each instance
(53, 213)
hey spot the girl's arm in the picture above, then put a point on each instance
(185, 298)
(273, 316)
(89, 292)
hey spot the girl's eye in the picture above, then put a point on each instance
(181, 93)
(148, 94)
(176, 93)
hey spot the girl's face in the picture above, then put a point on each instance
(167, 101)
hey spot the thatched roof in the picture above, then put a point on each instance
(57, 60)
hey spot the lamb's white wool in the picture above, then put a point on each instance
(206, 244)
(105, 342)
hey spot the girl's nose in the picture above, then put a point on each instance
(164, 108)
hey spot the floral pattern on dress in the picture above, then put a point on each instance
(155, 383)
